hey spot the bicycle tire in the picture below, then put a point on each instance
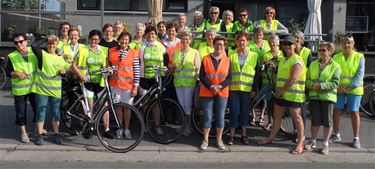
(72, 117)
(372, 104)
(172, 120)
(197, 117)
(121, 144)
(3, 77)
(365, 106)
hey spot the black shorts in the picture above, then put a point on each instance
(286, 103)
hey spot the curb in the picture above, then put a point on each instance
(164, 148)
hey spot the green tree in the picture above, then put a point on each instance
(19, 4)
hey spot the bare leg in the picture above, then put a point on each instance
(55, 127)
(232, 131)
(314, 132)
(296, 115)
(206, 132)
(355, 123)
(22, 129)
(327, 133)
(336, 120)
(277, 115)
(39, 127)
(219, 134)
(126, 118)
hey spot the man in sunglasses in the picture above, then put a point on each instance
(21, 69)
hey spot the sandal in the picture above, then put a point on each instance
(252, 123)
(261, 121)
(265, 141)
(231, 141)
(299, 149)
(244, 140)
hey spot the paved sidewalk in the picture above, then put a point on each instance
(9, 138)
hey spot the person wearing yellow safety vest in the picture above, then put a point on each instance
(214, 22)
(70, 50)
(152, 53)
(227, 25)
(243, 24)
(64, 34)
(125, 81)
(258, 44)
(215, 76)
(243, 87)
(162, 31)
(20, 68)
(303, 52)
(181, 27)
(271, 25)
(47, 85)
(185, 65)
(268, 66)
(118, 28)
(350, 88)
(198, 27)
(290, 93)
(138, 40)
(322, 80)
(89, 60)
(207, 47)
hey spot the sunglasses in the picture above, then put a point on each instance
(214, 13)
(17, 42)
(242, 15)
(322, 50)
(269, 12)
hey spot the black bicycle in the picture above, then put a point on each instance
(368, 100)
(3, 76)
(164, 117)
(75, 116)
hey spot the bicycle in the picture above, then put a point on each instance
(161, 111)
(367, 103)
(75, 118)
(3, 76)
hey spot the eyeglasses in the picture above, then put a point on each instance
(17, 42)
(214, 13)
(269, 12)
(243, 15)
(322, 50)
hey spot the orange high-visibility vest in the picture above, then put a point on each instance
(124, 77)
(215, 76)
(171, 51)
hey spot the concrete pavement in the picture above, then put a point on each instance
(9, 138)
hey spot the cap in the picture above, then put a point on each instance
(290, 39)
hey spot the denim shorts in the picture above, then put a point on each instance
(352, 102)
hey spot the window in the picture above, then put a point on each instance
(131, 5)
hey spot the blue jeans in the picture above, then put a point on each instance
(239, 108)
(212, 105)
(42, 103)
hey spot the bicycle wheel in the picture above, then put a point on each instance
(372, 104)
(365, 102)
(123, 142)
(171, 117)
(72, 116)
(3, 77)
(287, 125)
(197, 117)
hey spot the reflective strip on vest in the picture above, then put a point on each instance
(285, 80)
(58, 78)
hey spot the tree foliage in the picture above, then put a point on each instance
(19, 4)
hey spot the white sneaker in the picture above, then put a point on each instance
(25, 138)
(220, 145)
(127, 134)
(119, 133)
(324, 150)
(310, 145)
(159, 131)
(335, 139)
(204, 145)
(356, 144)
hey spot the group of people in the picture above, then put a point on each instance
(225, 71)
